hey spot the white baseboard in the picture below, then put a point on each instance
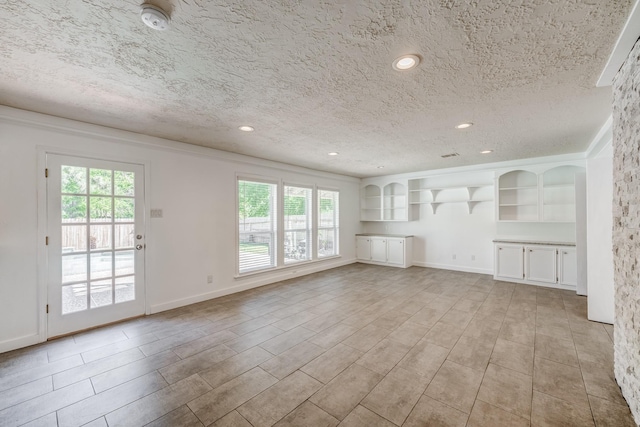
(16, 343)
(454, 267)
(250, 283)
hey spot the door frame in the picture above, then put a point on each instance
(42, 263)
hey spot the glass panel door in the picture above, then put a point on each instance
(95, 220)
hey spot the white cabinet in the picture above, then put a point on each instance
(509, 261)
(389, 250)
(540, 264)
(379, 249)
(536, 264)
(363, 247)
(395, 251)
(567, 261)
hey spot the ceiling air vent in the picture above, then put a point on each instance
(450, 155)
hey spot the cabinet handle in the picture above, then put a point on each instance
(565, 253)
(530, 250)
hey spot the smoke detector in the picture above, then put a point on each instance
(154, 17)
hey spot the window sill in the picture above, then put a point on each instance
(285, 267)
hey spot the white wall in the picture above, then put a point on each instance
(451, 230)
(469, 236)
(600, 288)
(194, 186)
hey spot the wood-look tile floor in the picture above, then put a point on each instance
(359, 345)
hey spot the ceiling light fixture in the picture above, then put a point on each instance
(333, 153)
(406, 62)
(464, 125)
(154, 17)
(245, 128)
(486, 152)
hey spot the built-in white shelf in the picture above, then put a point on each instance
(421, 193)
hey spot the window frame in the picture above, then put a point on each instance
(274, 221)
(311, 221)
(279, 221)
(336, 224)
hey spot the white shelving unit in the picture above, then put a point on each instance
(420, 193)
(394, 203)
(371, 203)
(385, 202)
(558, 194)
(518, 196)
(548, 196)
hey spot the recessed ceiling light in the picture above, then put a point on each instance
(154, 17)
(333, 153)
(246, 128)
(464, 125)
(406, 62)
(486, 152)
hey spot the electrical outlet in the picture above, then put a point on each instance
(454, 256)
(210, 279)
(473, 257)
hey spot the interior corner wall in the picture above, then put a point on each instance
(194, 186)
(600, 289)
(626, 228)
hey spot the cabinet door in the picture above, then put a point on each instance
(567, 266)
(540, 264)
(378, 249)
(363, 248)
(509, 261)
(395, 251)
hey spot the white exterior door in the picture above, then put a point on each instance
(363, 248)
(95, 252)
(540, 264)
(509, 261)
(378, 249)
(395, 251)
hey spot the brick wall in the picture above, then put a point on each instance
(626, 228)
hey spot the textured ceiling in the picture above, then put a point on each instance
(315, 76)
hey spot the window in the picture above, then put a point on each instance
(328, 223)
(257, 225)
(281, 225)
(297, 224)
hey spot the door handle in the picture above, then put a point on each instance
(138, 247)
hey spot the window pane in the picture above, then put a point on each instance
(74, 298)
(124, 210)
(74, 268)
(101, 209)
(74, 238)
(125, 289)
(124, 237)
(74, 209)
(101, 265)
(257, 225)
(74, 180)
(295, 246)
(123, 183)
(101, 293)
(100, 181)
(297, 224)
(124, 263)
(326, 242)
(328, 222)
(100, 238)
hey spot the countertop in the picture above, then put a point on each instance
(384, 235)
(534, 242)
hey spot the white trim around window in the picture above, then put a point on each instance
(281, 224)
